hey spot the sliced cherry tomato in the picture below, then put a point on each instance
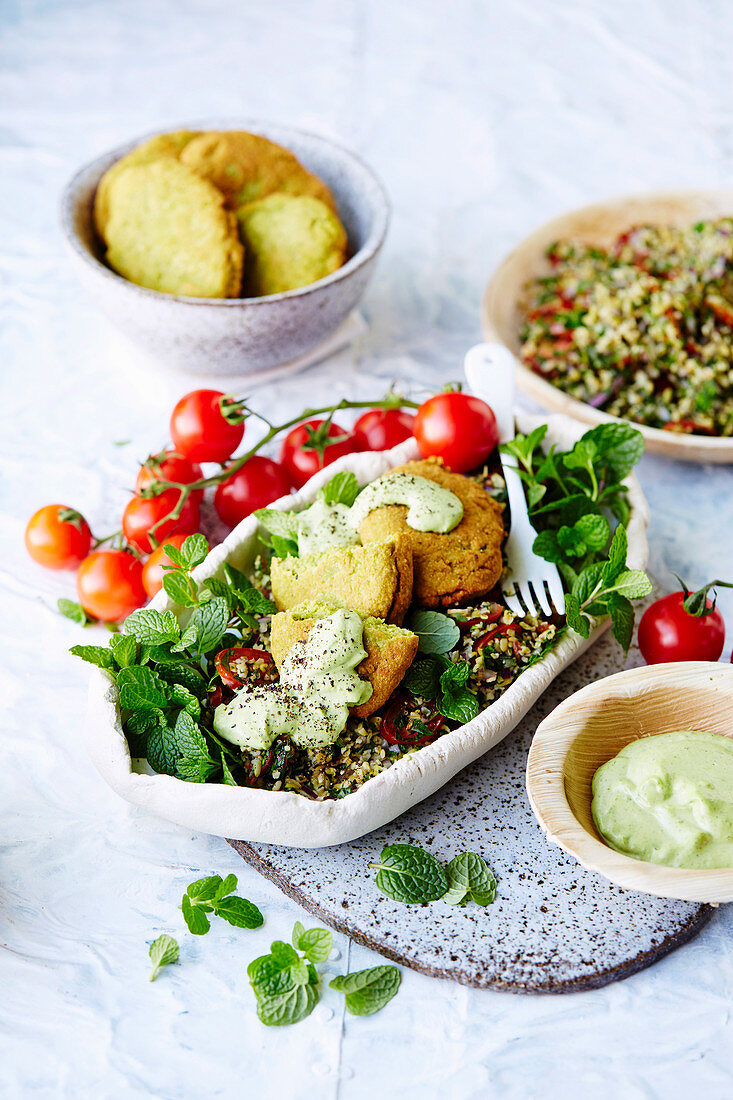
(255, 485)
(169, 466)
(142, 513)
(153, 569)
(58, 537)
(382, 429)
(301, 460)
(668, 631)
(110, 584)
(205, 426)
(458, 428)
(240, 665)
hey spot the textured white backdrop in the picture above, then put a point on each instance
(483, 119)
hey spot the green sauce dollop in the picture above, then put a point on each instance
(669, 799)
(430, 507)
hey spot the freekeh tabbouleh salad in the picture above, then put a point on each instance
(174, 678)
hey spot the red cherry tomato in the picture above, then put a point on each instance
(58, 537)
(169, 466)
(153, 571)
(667, 632)
(458, 428)
(239, 665)
(302, 463)
(384, 428)
(142, 513)
(255, 485)
(110, 585)
(200, 430)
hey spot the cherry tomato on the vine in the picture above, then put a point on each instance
(169, 466)
(458, 428)
(382, 429)
(668, 631)
(153, 571)
(255, 485)
(58, 537)
(143, 513)
(109, 584)
(204, 426)
(301, 462)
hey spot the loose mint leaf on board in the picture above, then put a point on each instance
(316, 944)
(437, 633)
(408, 874)
(283, 953)
(368, 990)
(287, 1008)
(470, 880)
(269, 977)
(163, 951)
(97, 655)
(298, 930)
(72, 610)
(204, 889)
(239, 912)
(195, 917)
(343, 488)
(141, 689)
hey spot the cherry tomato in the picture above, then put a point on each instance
(142, 513)
(200, 429)
(110, 585)
(667, 632)
(169, 466)
(302, 464)
(255, 485)
(58, 537)
(384, 428)
(153, 571)
(239, 665)
(458, 428)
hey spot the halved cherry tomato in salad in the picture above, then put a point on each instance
(457, 427)
(382, 429)
(143, 513)
(205, 426)
(240, 665)
(255, 485)
(682, 627)
(169, 466)
(110, 585)
(58, 537)
(306, 449)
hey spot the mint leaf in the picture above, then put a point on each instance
(437, 633)
(575, 620)
(204, 889)
(180, 588)
(193, 550)
(162, 749)
(633, 583)
(283, 953)
(210, 621)
(298, 930)
(547, 547)
(410, 875)
(315, 944)
(181, 696)
(141, 689)
(461, 706)
(622, 619)
(616, 557)
(287, 1008)
(152, 627)
(98, 655)
(250, 598)
(239, 912)
(195, 917)
(368, 990)
(72, 610)
(163, 951)
(284, 548)
(470, 879)
(423, 677)
(619, 447)
(283, 525)
(228, 778)
(343, 488)
(594, 530)
(589, 580)
(194, 763)
(124, 648)
(270, 977)
(524, 446)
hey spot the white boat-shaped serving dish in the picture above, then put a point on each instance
(282, 817)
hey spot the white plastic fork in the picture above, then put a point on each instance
(527, 579)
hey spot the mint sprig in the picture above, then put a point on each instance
(286, 984)
(214, 895)
(409, 874)
(368, 990)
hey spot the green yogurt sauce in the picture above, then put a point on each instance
(669, 799)
(310, 703)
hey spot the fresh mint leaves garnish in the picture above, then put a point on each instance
(343, 488)
(470, 879)
(444, 681)
(214, 895)
(437, 633)
(606, 588)
(163, 951)
(72, 610)
(285, 984)
(408, 874)
(368, 990)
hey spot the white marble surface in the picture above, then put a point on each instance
(483, 119)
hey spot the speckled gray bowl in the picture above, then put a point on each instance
(236, 336)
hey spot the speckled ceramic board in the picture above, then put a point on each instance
(554, 927)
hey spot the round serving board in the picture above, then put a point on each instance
(554, 926)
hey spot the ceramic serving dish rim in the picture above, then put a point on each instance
(688, 448)
(545, 779)
(282, 817)
(275, 132)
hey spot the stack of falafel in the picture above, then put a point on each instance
(217, 215)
